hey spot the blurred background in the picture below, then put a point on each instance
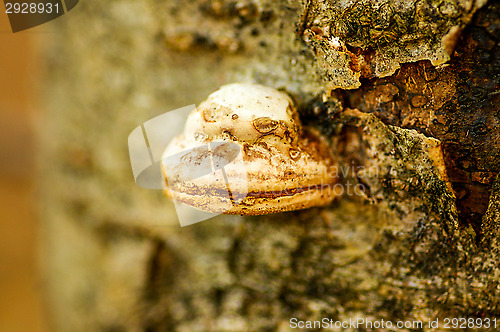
(21, 304)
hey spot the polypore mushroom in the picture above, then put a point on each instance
(244, 151)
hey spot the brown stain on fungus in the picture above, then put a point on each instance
(265, 125)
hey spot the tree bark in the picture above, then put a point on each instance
(407, 94)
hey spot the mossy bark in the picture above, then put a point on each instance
(416, 238)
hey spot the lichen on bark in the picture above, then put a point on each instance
(371, 38)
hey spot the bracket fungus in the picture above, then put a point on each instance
(244, 151)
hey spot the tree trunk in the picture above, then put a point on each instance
(408, 95)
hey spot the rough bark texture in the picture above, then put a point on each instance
(416, 238)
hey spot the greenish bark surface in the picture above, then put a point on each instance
(418, 241)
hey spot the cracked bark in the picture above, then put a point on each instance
(419, 240)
